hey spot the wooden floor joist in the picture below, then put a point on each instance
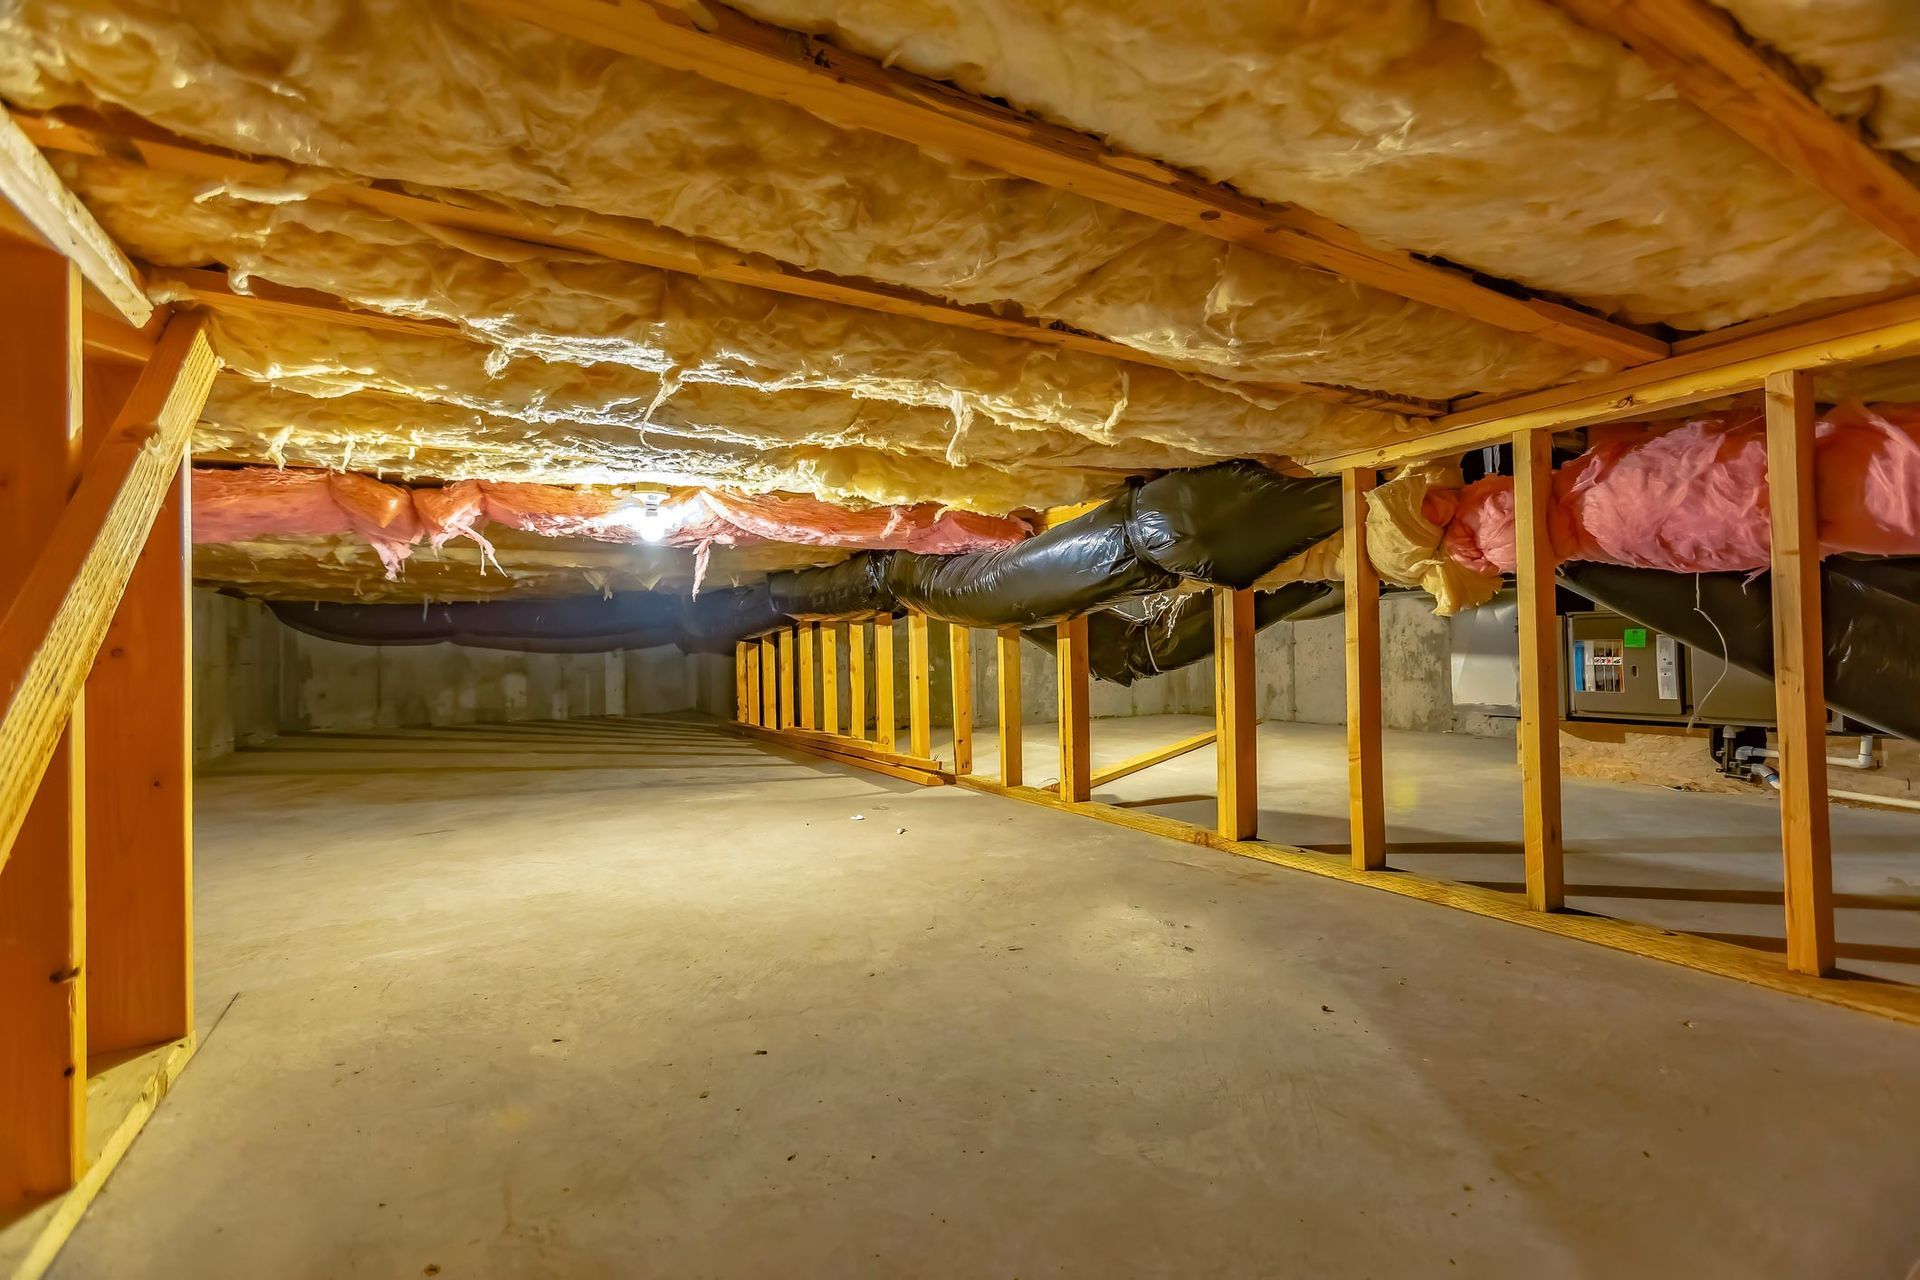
(847, 89)
(1699, 48)
(37, 208)
(81, 134)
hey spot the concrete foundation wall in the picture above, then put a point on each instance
(236, 674)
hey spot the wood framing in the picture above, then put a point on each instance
(139, 708)
(740, 683)
(1366, 806)
(35, 206)
(1236, 751)
(1070, 670)
(919, 686)
(82, 134)
(804, 673)
(1710, 366)
(1539, 671)
(960, 658)
(853, 91)
(769, 683)
(1702, 52)
(857, 680)
(1007, 683)
(786, 644)
(1799, 674)
(750, 705)
(830, 677)
(861, 755)
(886, 710)
(1147, 759)
(43, 1033)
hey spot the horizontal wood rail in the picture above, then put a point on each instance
(850, 90)
(926, 772)
(84, 134)
(1147, 759)
(53, 628)
(1879, 331)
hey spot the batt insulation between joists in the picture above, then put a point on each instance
(437, 92)
(1864, 56)
(1495, 133)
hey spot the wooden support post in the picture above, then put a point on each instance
(1236, 751)
(750, 707)
(857, 680)
(1070, 662)
(43, 1032)
(1366, 809)
(1539, 670)
(960, 655)
(1007, 643)
(139, 706)
(805, 635)
(740, 683)
(769, 683)
(787, 644)
(886, 715)
(1799, 676)
(830, 677)
(919, 686)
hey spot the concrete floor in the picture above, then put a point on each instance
(644, 1000)
(1706, 864)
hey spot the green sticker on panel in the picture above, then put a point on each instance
(1635, 638)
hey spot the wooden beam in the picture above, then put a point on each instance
(1007, 676)
(886, 710)
(960, 656)
(36, 206)
(805, 634)
(769, 683)
(43, 1031)
(830, 678)
(1147, 759)
(1070, 669)
(1539, 671)
(919, 686)
(1236, 754)
(1366, 809)
(746, 659)
(852, 91)
(1798, 674)
(787, 702)
(139, 708)
(841, 751)
(1701, 51)
(78, 133)
(1871, 334)
(857, 680)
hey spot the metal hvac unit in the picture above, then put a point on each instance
(1616, 670)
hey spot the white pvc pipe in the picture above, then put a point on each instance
(1771, 776)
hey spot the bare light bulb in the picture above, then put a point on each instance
(651, 521)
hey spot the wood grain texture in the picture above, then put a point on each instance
(36, 207)
(1070, 669)
(722, 45)
(960, 658)
(1147, 759)
(769, 683)
(1007, 681)
(806, 674)
(43, 1046)
(663, 251)
(139, 703)
(747, 681)
(784, 640)
(1366, 805)
(886, 709)
(1700, 50)
(1539, 672)
(830, 677)
(1799, 690)
(919, 686)
(1236, 752)
(857, 680)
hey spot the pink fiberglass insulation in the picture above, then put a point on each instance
(1692, 498)
(252, 502)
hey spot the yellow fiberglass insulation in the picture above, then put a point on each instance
(437, 92)
(543, 304)
(324, 360)
(1495, 133)
(1864, 56)
(406, 438)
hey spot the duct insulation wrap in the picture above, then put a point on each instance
(579, 624)
(1122, 649)
(1869, 611)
